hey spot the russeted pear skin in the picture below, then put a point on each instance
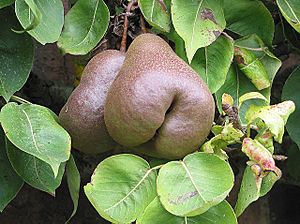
(158, 104)
(83, 114)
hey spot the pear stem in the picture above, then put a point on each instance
(126, 23)
(143, 25)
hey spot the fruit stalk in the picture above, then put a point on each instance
(126, 23)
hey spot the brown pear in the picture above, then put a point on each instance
(83, 114)
(157, 104)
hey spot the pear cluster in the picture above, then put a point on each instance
(147, 100)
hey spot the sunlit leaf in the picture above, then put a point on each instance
(48, 29)
(121, 188)
(34, 130)
(157, 13)
(212, 63)
(192, 186)
(246, 17)
(198, 22)
(156, 214)
(85, 25)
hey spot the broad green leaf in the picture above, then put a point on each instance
(198, 22)
(34, 130)
(179, 44)
(157, 14)
(85, 25)
(4, 3)
(15, 49)
(267, 183)
(249, 191)
(156, 214)
(73, 178)
(34, 171)
(246, 17)
(212, 63)
(290, 9)
(252, 67)
(237, 84)
(192, 186)
(121, 188)
(51, 20)
(10, 182)
(252, 188)
(35, 15)
(291, 91)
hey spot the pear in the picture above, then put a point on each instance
(83, 114)
(157, 104)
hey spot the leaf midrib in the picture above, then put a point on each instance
(192, 180)
(292, 11)
(194, 24)
(92, 23)
(131, 191)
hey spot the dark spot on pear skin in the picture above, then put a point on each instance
(207, 13)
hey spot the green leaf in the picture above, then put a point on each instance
(85, 25)
(293, 162)
(249, 191)
(156, 214)
(250, 96)
(10, 182)
(156, 14)
(252, 188)
(274, 117)
(15, 49)
(121, 188)
(217, 144)
(192, 186)
(34, 171)
(291, 91)
(179, 44)
(34, 130)
(291, 11)
(36, 15)
(248, 101)
(4, 3)
(252, 67)
(73, 178)
(51, 19)
(267, 183)
(198, 22)
(237, 84)
(212, 63)
(246, 17)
